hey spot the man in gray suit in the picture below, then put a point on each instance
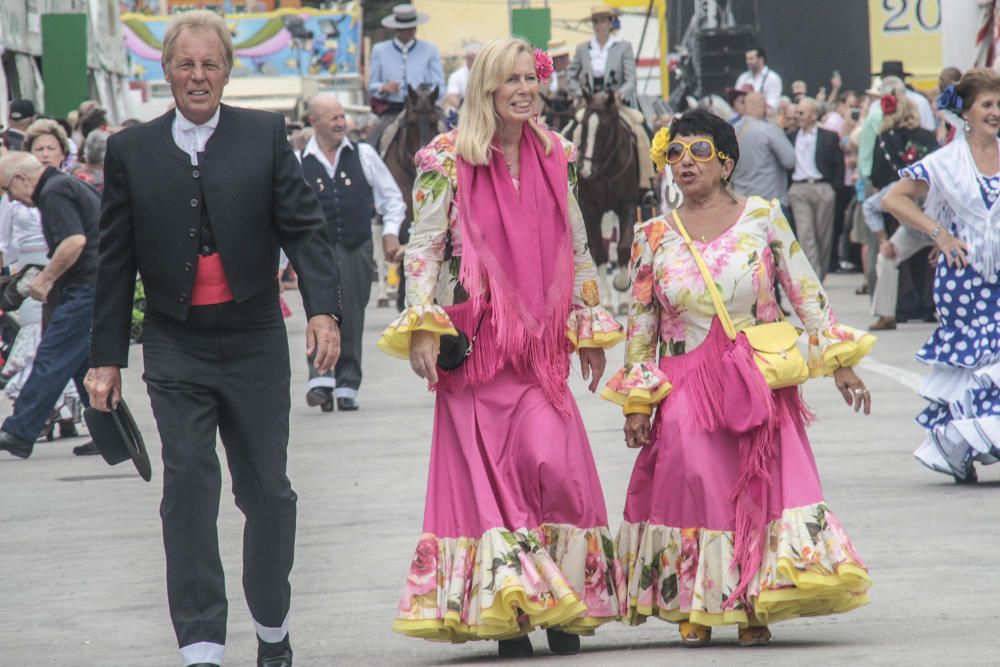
(607, 63)
(766, 154)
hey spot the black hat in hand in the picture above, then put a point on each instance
(118, 438)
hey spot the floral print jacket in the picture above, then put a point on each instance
(433, 257)
(671, 311)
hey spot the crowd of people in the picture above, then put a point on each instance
(762, 196)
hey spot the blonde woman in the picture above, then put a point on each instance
(515, 528)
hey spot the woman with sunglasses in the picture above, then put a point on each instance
(960, 188)
(515, 529)
(723, 529)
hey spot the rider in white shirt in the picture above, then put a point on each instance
(761, 78)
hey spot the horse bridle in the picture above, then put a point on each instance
(611, 155)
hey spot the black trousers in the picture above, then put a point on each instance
(356, 267)
(226, 368)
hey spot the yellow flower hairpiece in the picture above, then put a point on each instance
(658, 151)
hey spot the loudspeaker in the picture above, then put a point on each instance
(722, 56)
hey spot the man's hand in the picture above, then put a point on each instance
(323, 342)
(887, 249)
(39, 288)
(391, 87)
(102, 383)
(592, 364)
(391, 248)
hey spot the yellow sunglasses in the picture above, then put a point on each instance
(701, 150)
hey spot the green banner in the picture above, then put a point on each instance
(64, 62)
(534, 25)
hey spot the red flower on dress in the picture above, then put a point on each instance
(543, 66)
(889, 104)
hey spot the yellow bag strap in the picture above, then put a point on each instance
(720, 306)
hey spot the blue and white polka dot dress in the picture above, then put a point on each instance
(963, 386)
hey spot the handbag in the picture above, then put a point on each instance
(776, 352)
(454, 350)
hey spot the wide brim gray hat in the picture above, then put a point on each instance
(403, 17)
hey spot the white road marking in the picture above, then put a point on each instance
(908, 379)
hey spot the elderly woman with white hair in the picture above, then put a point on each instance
(91, 170)
(500, 289)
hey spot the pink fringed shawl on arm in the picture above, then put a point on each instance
(517, 265)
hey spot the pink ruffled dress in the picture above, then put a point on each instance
(712, 534)
(515, 531)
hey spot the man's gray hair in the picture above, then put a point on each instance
(197, 20)
(94, 147)
(19, 164)
(893, 85)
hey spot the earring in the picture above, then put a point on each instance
(729, 190)
(967, 128)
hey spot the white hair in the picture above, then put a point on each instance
(19, 164)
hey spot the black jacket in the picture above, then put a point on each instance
(69, 207)
(257, 199)
(829, 157)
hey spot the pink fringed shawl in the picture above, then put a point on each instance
(517, 264)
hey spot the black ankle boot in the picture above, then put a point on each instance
(563, 643)
(516, 648)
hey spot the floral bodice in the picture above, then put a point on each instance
(671, 311)
(433, 257)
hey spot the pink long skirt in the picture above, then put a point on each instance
(515, 525)
(677, 540)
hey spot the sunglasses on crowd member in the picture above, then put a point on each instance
(701, 150)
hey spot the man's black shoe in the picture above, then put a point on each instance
(20, 448)
(274, 655)
(346, 404)
(86, 449)
(563, 643)
(204, 664)
(67, 429)
(320, 396)
(515, 648)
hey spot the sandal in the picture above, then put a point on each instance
(862, 290)
(755, 635)
(694, 635)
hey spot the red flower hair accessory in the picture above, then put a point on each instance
(543, 66)
(889, 104)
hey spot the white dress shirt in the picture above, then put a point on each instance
(599, 54)
(459, 81)
(192, 138)
(765, 81)
(388, 199)
(805, 156)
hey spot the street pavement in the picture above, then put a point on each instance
(81, 562)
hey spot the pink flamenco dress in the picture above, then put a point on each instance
(725, 521)
(515, 533)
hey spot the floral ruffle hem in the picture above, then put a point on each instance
(506, 583)
(810, 568)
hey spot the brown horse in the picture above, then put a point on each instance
(609, 183)
(559, 109)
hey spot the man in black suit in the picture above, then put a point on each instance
(198, 202)
(819, 168)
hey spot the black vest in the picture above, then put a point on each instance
(347, 199)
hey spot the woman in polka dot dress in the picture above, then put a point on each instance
(961, 184)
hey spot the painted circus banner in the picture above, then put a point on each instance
(284, 42)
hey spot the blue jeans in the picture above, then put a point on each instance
(61, 356)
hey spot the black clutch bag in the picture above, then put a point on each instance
(454, 350)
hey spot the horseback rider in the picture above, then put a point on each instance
(606, 63)
(399, 64)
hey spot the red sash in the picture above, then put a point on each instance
(210, 284)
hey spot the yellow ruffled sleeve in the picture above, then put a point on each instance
(837, 347)
(395, 340)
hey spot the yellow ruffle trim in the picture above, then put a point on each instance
(501, 619)
(847, 354)
(638, 401)
(601, 339)
(395, 340)
(813, 594)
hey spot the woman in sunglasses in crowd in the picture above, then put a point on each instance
(515, 527)
(725, 521)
